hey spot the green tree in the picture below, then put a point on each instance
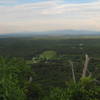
(10, 90)
(14, 74)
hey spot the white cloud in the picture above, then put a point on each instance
(7, 1)
(49, 15)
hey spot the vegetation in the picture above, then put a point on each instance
(32, 69)
(14, 78)
(48, 55)
(85, 89)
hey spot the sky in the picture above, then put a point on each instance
(47, 15)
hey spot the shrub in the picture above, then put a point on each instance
(14, 73)
(85, 89)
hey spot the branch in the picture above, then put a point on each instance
(97, 81)
(30, 79)
(90, 73)
(73, 73)
(85, 66)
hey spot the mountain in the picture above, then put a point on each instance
(73, 32)
(52, 33)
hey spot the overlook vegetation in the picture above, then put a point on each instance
(32, 69)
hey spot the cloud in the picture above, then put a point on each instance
(49, 15)
(7, 1)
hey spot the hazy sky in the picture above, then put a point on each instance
(45, 15)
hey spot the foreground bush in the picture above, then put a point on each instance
(86, 89)
(16, 84)
(14, 74)
(11, 91)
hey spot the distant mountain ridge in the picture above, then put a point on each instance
(52, 33)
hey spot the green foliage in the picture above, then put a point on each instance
(16, 69)
(57, 94)
(14, 73)
(48, 55)
(78, 91)
(87, 82)
(9, 90)
(33, 91)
